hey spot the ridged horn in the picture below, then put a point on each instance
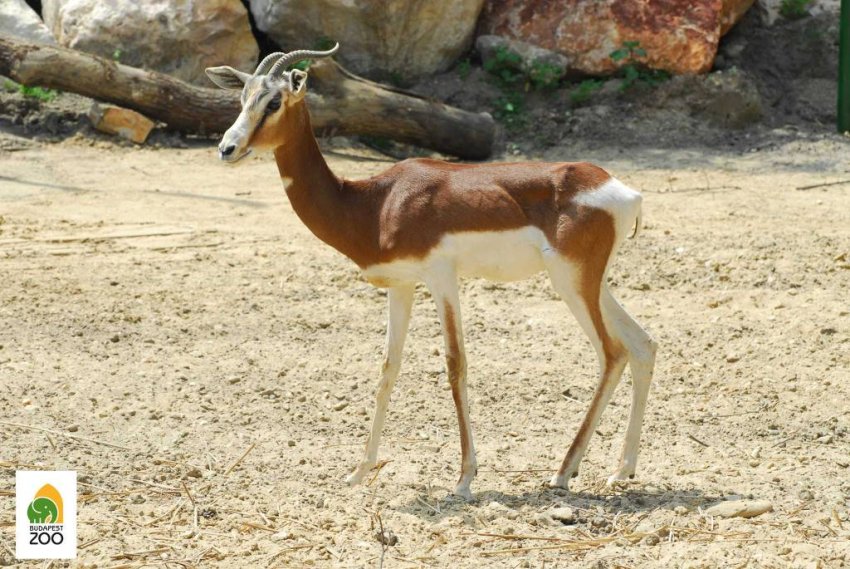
(294, 57)
(267, 63)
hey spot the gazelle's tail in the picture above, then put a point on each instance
(638, 223)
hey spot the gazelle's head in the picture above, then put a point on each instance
(267, 95)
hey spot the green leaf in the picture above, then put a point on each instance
(619, 54)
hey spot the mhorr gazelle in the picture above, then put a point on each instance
(429, 221)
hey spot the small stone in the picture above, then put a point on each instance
(806, 494)
(73, 428)
(564, 515)
(340, 406)
(194, 473)
(291, 443)
(740, 508)
(138, 499)
(732, 358)
(680, 510)
(650, 540)
(282, 535)
(114, 339)
(543, 519)
(497, 510)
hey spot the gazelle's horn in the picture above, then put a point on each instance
(267, 63)
(294, 57)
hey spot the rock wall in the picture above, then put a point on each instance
(378, 38)
(179, 37)
(18, 20)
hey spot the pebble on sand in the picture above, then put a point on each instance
(740, 509)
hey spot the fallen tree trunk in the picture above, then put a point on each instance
(340, 102)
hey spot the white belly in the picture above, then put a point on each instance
(494, 255)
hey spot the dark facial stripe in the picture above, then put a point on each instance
(259, 98)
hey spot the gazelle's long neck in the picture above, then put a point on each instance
(312, 188)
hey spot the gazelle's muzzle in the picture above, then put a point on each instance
(234, 144)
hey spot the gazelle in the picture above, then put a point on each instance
(428, 221)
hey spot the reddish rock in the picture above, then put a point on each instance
(679, 36)
(123, 122)
(733, 11)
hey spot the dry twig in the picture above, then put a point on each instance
(61, 434)
(240, 459)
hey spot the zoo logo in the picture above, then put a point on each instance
(45, 514)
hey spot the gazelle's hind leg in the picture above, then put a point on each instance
(641, 348)
(398, 320)
(580, 287)
(443, 287)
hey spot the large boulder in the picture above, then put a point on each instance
(20, 21)
(179, 37)
(402, 39)
(680, 36)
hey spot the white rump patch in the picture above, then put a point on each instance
(622, 202)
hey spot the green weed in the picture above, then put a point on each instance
(794, 9)
(40, 93)
(324, 43)
(464, 68)
(505, 66)
(544, 75)
(585, 90)
(633, 71)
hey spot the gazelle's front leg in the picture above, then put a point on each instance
(443, 287)
(398, 320)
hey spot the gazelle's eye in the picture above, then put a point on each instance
(274, 104)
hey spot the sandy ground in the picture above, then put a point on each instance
(175, 308)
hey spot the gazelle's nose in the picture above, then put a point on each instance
(226, 150)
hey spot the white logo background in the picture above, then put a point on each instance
(27, 483)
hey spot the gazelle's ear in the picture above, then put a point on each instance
(298, 83)
(226, 77)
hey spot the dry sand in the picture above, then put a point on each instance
(159, 301)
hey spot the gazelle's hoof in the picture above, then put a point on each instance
(623, 474)
(357, 476)
(463, 491)
(559, 481)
